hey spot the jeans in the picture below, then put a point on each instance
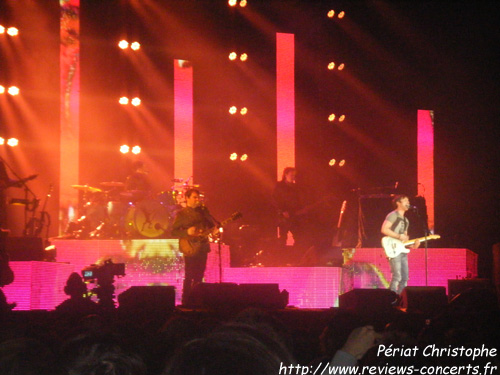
(399, 271)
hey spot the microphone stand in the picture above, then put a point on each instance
(425, 225)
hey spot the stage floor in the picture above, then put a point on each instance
(39, 285)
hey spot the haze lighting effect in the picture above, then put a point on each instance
(135, 46)
(123, 100)
(13, 90)
(341, 163)
(12, 31)
(233, 110)
(124, 149)
(331, 13)
(232, 3)
(244, 111)
(341, 15)
(12, 142)
(136, 150)
(233, 156)
(244, 157)
(135, 102)
(233, 56)
(244, 57)
(331, 118)
(123, 44)
(332, 162)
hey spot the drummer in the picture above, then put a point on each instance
(138, 180)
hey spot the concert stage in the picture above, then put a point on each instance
(39, 285)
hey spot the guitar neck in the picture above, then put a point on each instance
(421, 239)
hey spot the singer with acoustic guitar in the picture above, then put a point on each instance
(191, 225)
(395, 227)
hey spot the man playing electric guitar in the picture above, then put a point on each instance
(396, 226)
(190, 223)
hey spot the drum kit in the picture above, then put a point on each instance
(112, 212)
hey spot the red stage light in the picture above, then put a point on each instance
(232, 3)
(341, 163)
(135, 46)
(243, 57)
(232, 110)
(244, 111)
(2, 141)
(341, 66)
(123, 100)
(2, 89)
(2, 29)
(331, 118)
(341, 118)
(136, 150)
(244, 157)
(341, 14)
(233, 156)
(232, 56)
(135, 102)
(243, 3)
(331, 13)
(331, 65)
(332, 162)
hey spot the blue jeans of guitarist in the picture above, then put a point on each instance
(399, 271)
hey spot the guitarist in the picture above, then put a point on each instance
(190, 222)
(396, 226)
(5, 182)
(287, 201)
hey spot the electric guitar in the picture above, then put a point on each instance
(394, 247)
(190, 245)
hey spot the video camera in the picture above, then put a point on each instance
(105, 271)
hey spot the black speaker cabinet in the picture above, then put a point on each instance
(368, 300)
(424, 299)
(24, 248)
(461, 285)
(147, 298)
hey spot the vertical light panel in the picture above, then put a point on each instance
(70, 109)
(285, 101)
(183, 119)
(425, 154)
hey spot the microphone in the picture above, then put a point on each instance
(410, 207)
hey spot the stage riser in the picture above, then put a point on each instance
(39, 285)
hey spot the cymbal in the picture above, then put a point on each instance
(112, 184)
(86, 188)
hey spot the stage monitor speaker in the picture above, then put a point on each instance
(153, 298)
(368, 300)
(457, 286)
(214, 295)
(233, 296)
(25, 248)
(428, 300)
(263, 296)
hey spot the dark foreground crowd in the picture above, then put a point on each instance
(78, 338)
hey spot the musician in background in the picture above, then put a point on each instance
(190, 222)
(138, 180)
(396, 226)
(5, 182)
(287, 200)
